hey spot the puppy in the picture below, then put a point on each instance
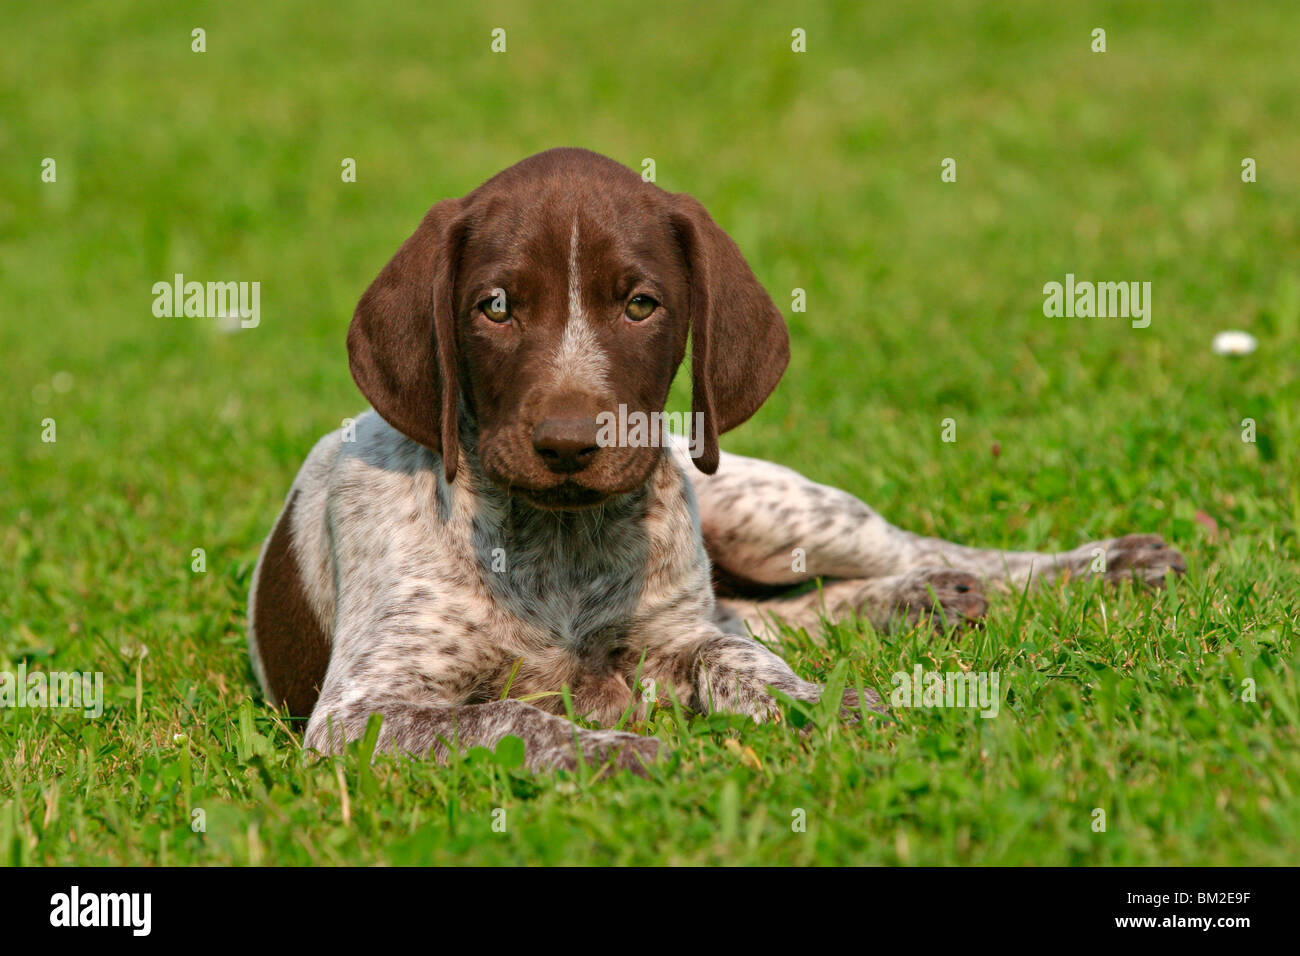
(484, 552)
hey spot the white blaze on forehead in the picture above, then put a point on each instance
(579, 359)
(575, 275)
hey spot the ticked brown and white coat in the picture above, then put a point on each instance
(475, 533)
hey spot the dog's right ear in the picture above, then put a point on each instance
(402, 341)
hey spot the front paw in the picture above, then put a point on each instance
(619, 750)
(851, 704)
(1144, 556)
(943, 595)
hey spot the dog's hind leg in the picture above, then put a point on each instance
(767, 525)
(766, 528)
(941, 595)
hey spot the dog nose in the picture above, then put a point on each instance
(566, 445)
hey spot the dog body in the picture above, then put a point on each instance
(472, 550)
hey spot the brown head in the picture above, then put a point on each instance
(537, 305)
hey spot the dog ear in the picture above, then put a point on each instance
(402, 340)
(739, 343)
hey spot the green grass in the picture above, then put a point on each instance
(924, 303)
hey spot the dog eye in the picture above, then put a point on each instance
(494, 307)
(640, 307)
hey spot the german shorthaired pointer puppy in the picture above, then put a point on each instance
(479, 545)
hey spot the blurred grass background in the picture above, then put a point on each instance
(924, 298)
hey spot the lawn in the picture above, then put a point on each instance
(1174, 712)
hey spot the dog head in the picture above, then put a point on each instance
(547, 302)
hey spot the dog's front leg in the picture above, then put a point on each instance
(731, 673)
(550, 742)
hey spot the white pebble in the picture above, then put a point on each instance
(1234, 343)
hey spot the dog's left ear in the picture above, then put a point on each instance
(739, 344)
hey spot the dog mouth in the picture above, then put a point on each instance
(566, 496)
